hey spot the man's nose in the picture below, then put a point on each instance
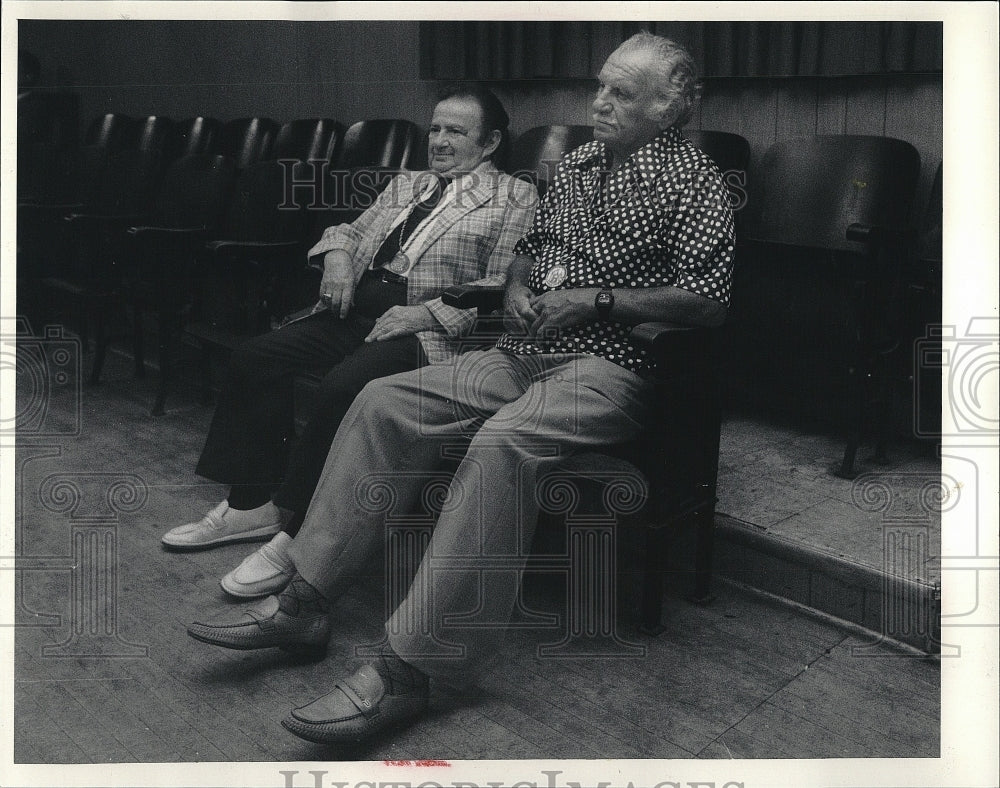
(438, 140)
(601, 103)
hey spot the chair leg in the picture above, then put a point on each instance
(138, 343)
(100, 344)
(856, 405)
(882, 412)
(652, 582)
(704, 545)
(166, 362)
(83, 320)
(206, 375)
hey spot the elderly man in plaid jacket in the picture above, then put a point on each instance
(379, 313)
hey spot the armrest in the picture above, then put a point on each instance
(655, 336)
(166, 240)
(257, 251)
(239, 246)
(123, 219)
(485, 299)
(144, 231)
(672, 343)
(877, 234)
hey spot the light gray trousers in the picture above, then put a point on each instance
(518, 416)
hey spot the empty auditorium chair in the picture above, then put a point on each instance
(112, 131)
(371, 153)
(81, 271)
(244, 270)
(535, 154)
(150, 134)
(822, 246)
(920, 356)
(194, 136)
(248, 140)
(308, 140)
(47, 137)
(730, 152)
(162, 255)
(380, 143)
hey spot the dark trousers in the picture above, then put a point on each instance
(251, 440)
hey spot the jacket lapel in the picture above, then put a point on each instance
(404, 185)
(477, 190)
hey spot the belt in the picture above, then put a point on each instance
(384, 275)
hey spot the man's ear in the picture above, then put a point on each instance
(492, 142)
(668, 112)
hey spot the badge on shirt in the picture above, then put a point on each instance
(399, 264)
(555, 276)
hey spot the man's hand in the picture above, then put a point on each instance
(401, 321)
(337, 288)
(558, 309)
(518, 314)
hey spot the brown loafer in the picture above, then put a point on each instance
(357, 709)
(265, 625)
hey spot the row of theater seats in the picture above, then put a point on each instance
(52, 166)
(167, 223)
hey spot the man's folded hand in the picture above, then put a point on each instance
(558, 309)
(518, 314)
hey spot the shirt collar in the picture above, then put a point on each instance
(482, 172)
(648, 162)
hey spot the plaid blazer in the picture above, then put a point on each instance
(471, 241)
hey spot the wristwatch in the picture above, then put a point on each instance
(603, 302)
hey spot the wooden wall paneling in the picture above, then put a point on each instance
(745, 107)
(291, 69)
(58, 46)
(796, 108)
(538, 103)
(831, 105)
(865, 110)
(914, 112)
(323, 53)
(337, 79)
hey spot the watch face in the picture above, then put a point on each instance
(604, 299)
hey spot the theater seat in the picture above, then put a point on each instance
(381, 143)
(308, 140)
(248, 140)
(372, 152)
(162, 255)
(656, 488)
(730, 152)
(244, 269)
(535, 154)
(823, 240)
(194, 136)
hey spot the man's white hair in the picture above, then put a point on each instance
(675, 76)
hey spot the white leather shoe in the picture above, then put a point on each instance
(223, 525)
(266, 571)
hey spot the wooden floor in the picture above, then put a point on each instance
(739, 678)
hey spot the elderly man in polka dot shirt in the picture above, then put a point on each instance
(636, 227)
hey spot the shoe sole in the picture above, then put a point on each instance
(260, 535)
(304, 731)
(300, 650)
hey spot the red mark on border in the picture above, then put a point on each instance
(417, 763)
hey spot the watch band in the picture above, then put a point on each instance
(603, 303)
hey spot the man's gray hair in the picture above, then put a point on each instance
(676, 75)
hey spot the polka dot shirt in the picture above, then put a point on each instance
(662, 218)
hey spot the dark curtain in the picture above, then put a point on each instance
(577, 50)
